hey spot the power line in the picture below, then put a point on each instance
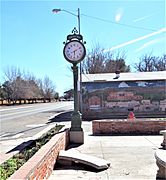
(121, 24)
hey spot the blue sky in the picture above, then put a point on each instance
(32, 36)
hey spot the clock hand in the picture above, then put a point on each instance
(75, 50)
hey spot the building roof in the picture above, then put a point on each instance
(138, 76)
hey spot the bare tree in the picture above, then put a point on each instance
(17, 85)
(24, 86)
(116, 62)
(98, 61)
(94, 62)
(161, 64)
(149, 63)
(11, 73)
(19, 90)
(48, 88)
(33, 87)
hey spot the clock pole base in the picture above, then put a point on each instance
(76, 137)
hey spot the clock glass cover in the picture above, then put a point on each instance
(74, 51)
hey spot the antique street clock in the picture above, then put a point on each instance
(74, 51)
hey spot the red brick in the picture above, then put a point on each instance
(41, 164)
(114, 127)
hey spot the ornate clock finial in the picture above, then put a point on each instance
(74, 31)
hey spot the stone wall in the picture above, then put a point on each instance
(40, 166)
(130, 127)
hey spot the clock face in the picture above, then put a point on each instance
(74, 51)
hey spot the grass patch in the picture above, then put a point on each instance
(13, 164)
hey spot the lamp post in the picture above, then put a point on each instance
(77, 15)
(80, 77)
(74, 52)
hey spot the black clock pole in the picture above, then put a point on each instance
(74, 51)
(76, 118)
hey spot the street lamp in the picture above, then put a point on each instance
(77, 15)
(78, 18)
(74, 52)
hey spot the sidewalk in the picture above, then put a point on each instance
(131, 157)
(9, 148)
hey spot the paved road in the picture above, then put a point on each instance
(27, 120)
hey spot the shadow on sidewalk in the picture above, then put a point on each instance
(65, 116)
(21, 146)
(76, 166)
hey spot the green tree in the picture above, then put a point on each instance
(69, 94)
(7, 91)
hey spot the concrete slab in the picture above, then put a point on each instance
(161, 156)
(89, 160)
(131, 157)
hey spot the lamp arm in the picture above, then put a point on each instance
(69, 12)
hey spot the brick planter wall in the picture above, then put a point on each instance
(117, 127)
(41, 164)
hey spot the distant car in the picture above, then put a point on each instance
(71, 99)
(62, 99)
